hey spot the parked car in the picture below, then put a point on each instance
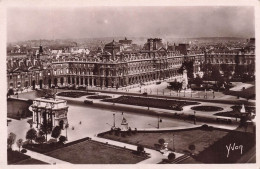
(158, 83)
(145, 94)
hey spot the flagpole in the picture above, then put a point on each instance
(158, 122)
(173, 149)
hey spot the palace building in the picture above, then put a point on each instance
(114, 67)
(118, 64)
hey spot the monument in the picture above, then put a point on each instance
(184, 79)
(49, 111)
(124, 125)
(243, 110)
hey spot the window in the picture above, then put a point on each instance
(10, 77)
(226, 60)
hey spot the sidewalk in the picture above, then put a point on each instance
(155, 156)
(45, 158)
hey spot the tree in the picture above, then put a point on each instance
(19, 143)
(140, 149)
(46, 127)
(176, 85)
(10, 140)
(240, 70)
(171, 156)
(206, 68)
(40, 139)
(56, 132)
(192, 147)
(41, 133)
(10, 92)
(31, 134)
(161, 141)
(215, 74)
(62, 139)
(188, 65)
(198, 81)
(227, 70)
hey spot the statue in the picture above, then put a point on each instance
(184, 79)
(243, 110)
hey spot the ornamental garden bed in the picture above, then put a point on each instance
(99, 97)
(206, 108)
(75, 94)
(152, 102)
(236, 111)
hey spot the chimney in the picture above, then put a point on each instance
(150, 43)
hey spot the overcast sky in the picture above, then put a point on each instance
(61, 23)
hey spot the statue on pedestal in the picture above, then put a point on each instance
(184, 79)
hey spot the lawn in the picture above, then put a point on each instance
(17, 109)
(152, 102)
(92, 152)
(248, 93)
(182, 139)
(210, 143)
(15, 156)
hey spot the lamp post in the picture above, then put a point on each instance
(114, 121)
(173, 149)
(159, 121)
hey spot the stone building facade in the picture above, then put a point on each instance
(115, 67)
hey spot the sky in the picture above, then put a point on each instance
(90, 22)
